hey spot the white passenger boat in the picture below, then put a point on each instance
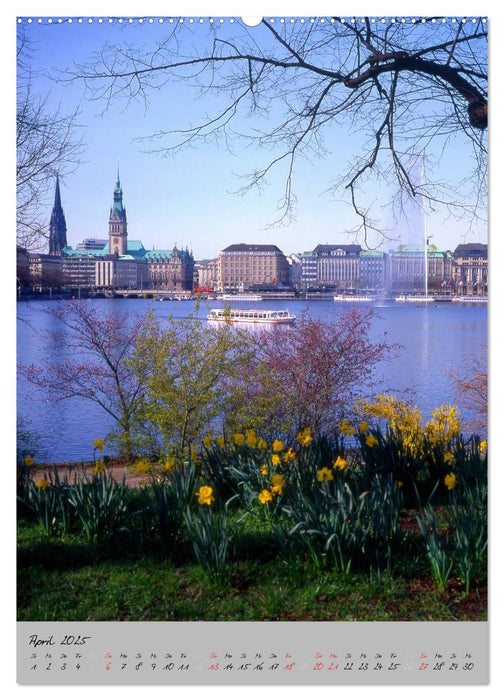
(471, 300)
(240, 297)
(415, 298)
(352, 297)
(251, 316)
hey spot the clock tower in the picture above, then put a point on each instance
(118, 225)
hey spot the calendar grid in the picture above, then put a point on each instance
(252, 653)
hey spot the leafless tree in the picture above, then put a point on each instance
(46, 144)
(471, 387)
(407, 89)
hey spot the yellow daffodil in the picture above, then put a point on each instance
(265, 496)
(29, 461)
(450, 481)
(325, 474)
(448, 458)
(290, 455)
(278, 484)
(142, 466)
(346, 428)
(398, 484)
(363, 428)
(371, 441)
(277, 446)
(207, 441)
(264, 470)
(340, 463)
(483, 446)
(99, 466)
(275, 459)
(239, 439)
(220, 441)
(304, 437)
(98, 443)
(169, 464)
(251, 440)
(42, 484)
(262, 444)
(205, 496)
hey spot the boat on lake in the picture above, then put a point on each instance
(251, 316)
(471, 300)
(240, 297)
(353, 297)
(414, 298)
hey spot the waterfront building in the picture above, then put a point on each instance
(296, 266)
(79, 267)
(243, 266)
(206, 273)
(45, 270)
(170, 269)
(373, 270)
(331, 267)
(57, 224)
(121, 272)
(406, 269)
(470, 269)
(22, 267)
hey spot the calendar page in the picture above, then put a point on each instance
(252, 326)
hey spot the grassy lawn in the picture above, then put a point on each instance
(67, 579)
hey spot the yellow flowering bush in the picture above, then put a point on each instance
(402, 418)
(444, 425)
(205, 496)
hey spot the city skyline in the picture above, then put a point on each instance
(188, 200)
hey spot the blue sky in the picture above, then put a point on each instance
(190, 199)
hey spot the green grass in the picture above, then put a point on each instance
(67, 579)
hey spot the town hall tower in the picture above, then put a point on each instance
(118, 226)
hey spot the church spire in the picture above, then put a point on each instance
(57, 224)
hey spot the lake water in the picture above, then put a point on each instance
(435, 340)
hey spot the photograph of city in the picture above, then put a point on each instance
(252, 269)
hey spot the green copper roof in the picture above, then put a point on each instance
(69, 252)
